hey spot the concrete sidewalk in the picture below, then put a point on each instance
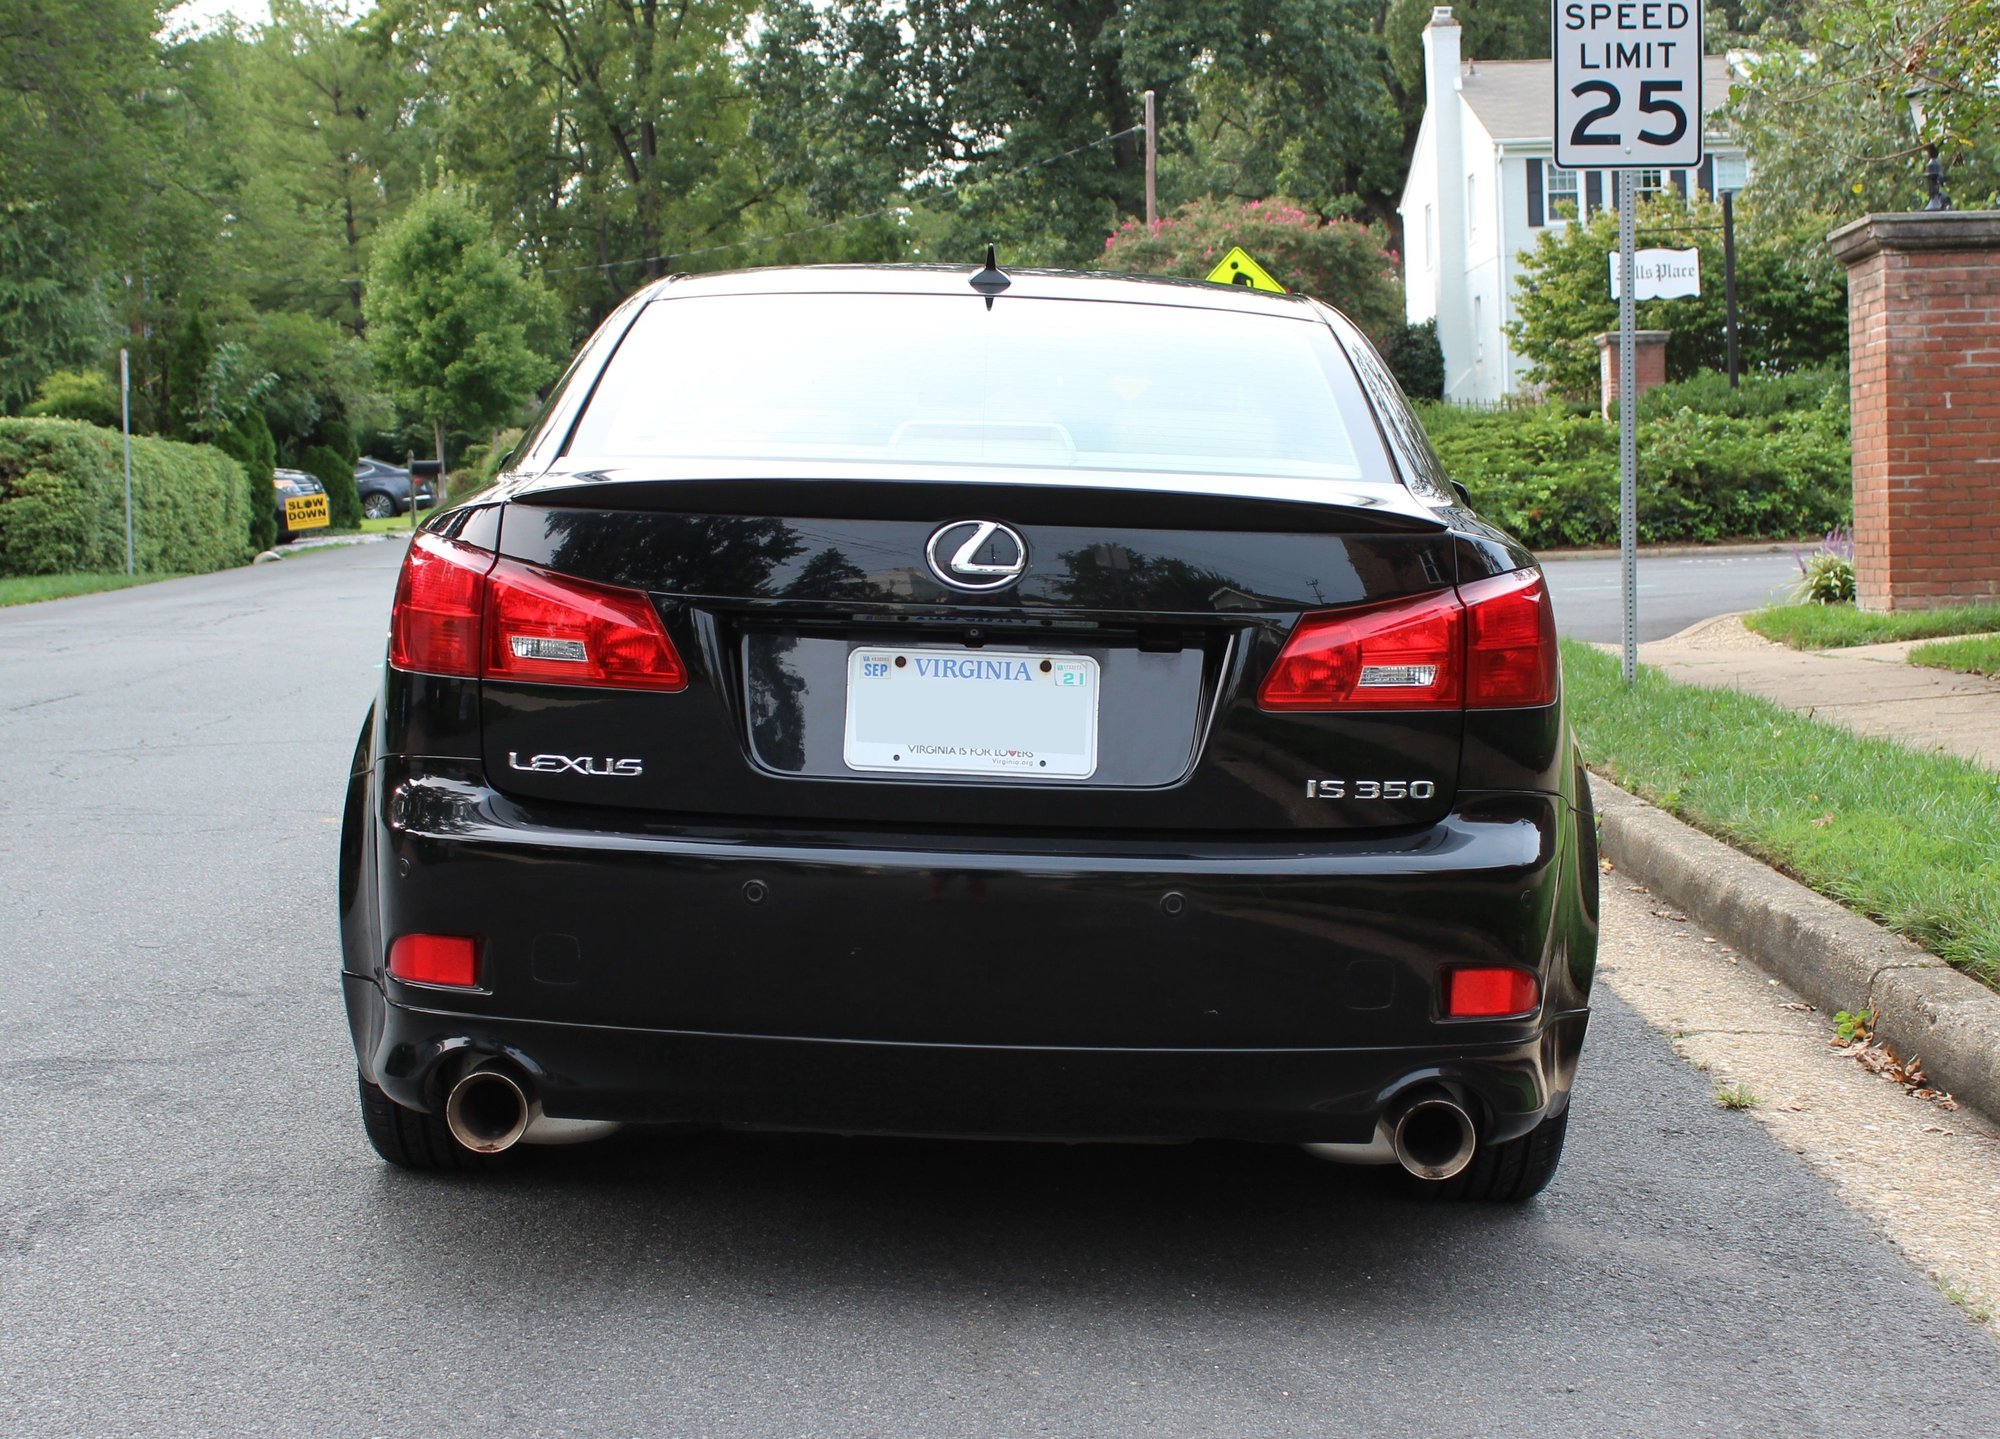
(1871, 689)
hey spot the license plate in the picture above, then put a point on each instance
(973, 712)
(306, 512)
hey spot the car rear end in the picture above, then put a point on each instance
(880, 710)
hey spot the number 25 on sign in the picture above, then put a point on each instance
(1628, 83)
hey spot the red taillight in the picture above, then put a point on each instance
(451, 959)
(551, 629)
(1401, 655)
(434, 626)
(1488, 645)
(1490, 993)
(1510, 650)
(460, 611)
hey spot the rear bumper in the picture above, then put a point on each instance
(907, 984)
(1332, 1096)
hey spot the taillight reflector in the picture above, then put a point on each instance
(1400, 655)
(462, 612)
(551, 629)
(1490, 993)
(1510, 649)
(440, 596)
(1490, 644)
(451, 959)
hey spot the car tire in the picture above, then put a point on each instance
(1509, 1172)
(409, 1139)
(377, 506)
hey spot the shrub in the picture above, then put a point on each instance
(481, 465)
(249, 443)
(78, 395)
(1709, 392)
(343, 500)
(1792, 310)
(1415, 357)
(337, 435)
(1343, 262)
(62, 502)
(1549, 473)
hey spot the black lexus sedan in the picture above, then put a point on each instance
(939, 701)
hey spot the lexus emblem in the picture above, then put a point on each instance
(977, 555)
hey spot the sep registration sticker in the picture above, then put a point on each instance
(971, 712)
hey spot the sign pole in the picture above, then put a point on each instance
(125, 423)
(1628, 418)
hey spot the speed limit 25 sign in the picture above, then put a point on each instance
(1628, 83)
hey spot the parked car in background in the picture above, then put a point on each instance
(385, 489)
(301, 504)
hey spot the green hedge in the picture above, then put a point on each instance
(1548, 474)
(343, 498)
(62, 502)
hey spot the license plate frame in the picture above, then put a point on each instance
(971, 713)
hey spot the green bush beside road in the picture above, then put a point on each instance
(1906, 838)
(1773, 464)
(62, 502)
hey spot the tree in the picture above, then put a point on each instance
(1015, 120)
(1341, 262)
(456, 331)
(1792, 298)
(52, 310)
(336, 472)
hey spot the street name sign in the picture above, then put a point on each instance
(1628, 83)
(1660, 274)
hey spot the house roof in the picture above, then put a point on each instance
(1515, 99)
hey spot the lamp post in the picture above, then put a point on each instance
(1730, 173)
(1919, 95)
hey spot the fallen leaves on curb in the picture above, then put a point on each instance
(1879, 1058)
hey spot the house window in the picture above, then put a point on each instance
(1649, 182)
(1560, 198)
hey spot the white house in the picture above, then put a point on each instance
(1483, 186)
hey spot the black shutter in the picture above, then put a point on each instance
(1593, 190)
(1680, 179)
(1535, 195)
(1705, 181)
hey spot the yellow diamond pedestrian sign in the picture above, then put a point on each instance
(1237, 268)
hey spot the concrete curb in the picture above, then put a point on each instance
(1924, 1009)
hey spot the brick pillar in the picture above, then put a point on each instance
(1649, 365)
(1923, 317)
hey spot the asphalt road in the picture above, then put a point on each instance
(1675, 591)
(200, 1242)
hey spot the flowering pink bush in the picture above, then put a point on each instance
(1343, 262)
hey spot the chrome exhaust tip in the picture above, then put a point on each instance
(488, 1111)
(1434, 1138)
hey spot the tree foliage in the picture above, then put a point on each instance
(456, 330)
(1341, 262)
(1791, 298)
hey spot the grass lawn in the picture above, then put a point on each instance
(28, 589)
(1832, 627)
(1911, 840)
(1972, 657)
(402, 522)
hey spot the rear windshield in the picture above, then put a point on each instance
(941, 379)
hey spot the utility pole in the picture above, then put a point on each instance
(1152, 163)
